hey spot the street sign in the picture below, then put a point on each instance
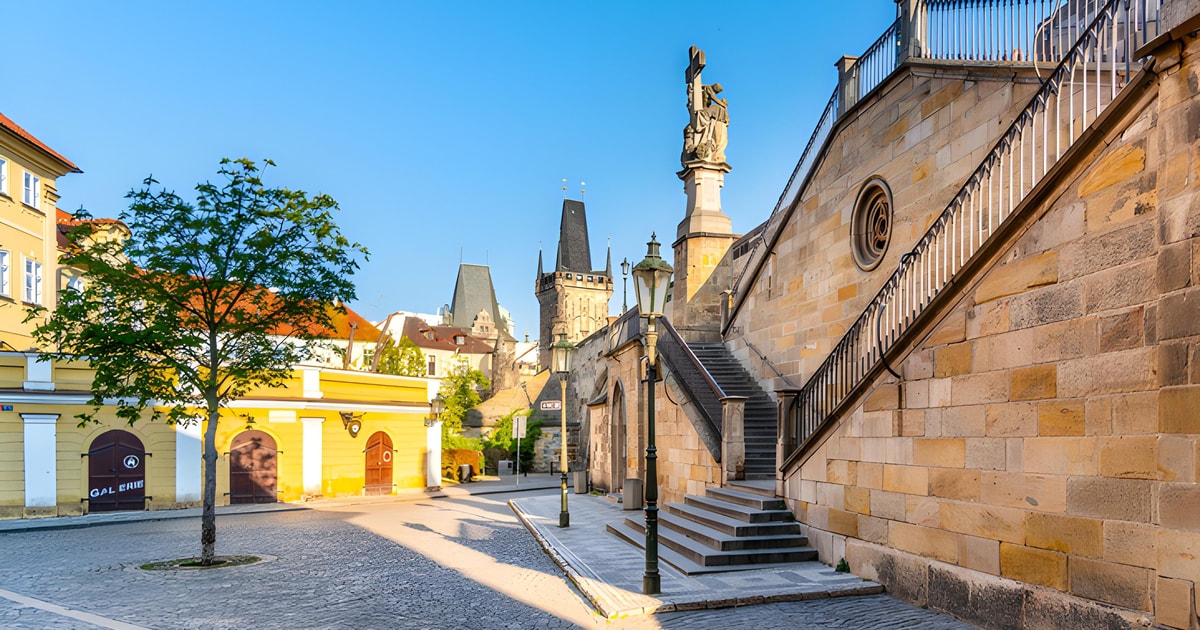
(519, 426)
(551, 405)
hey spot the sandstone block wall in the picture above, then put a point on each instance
(1037, 464)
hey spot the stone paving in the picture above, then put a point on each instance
(452, 561)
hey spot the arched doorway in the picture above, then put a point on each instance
(379, 464)
(116, 473)
(253, 468)
(617, 448)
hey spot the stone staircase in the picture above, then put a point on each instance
(729, 529)
(761, 429)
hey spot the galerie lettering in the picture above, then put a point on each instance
(132, 485)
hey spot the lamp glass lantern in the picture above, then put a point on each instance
(436, 407)
(651, 281)
(561, 354)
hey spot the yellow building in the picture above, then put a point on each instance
(29, 171)
(325, 432)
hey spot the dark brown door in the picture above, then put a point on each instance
(379, 464)
(253, 467)
(116, 473)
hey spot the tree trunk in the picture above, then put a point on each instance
(208, 519)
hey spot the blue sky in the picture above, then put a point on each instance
(444, 129)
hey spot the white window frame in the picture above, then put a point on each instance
(431, 365)
(33, 281)
(3, 175)
(32, 190)
(75, 282)
(5, 278)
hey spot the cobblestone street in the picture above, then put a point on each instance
(435, 563)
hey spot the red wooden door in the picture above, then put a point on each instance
(379, 464)
(116, 473)
(253, 468)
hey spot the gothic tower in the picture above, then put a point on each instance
(573, 296)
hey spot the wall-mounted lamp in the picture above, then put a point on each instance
(436, 407)
(352, 421)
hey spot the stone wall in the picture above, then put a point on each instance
(923, 131)
(1037, 463)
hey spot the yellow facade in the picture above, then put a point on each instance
(315, 399)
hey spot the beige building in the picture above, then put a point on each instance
(975, 309)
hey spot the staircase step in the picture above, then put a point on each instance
(729, 525)
(719, 541)
(747, 499)
(740, 512)
(707, 557)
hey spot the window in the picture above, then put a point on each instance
(432, 365)
(5, 287)
(459, 340)
(75, 283)
(872, 224)
(33, 281)
(3, 176)
(33, 185)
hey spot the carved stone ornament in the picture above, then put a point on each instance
(707, 132)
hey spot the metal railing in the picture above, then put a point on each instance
(707, 394)
(878, 62)
(1009, 30)
(1086, 81)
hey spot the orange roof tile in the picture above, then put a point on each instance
(7, 123)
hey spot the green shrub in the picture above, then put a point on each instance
(455, 457)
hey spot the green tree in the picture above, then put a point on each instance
(404, 358)
(460, 390)
(201, 302)
(501, 437)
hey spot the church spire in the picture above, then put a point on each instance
(574, 253)
(539, 263)
(608, 262)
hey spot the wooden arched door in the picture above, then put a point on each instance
(116, 473)
(379, 464)
(253, 468)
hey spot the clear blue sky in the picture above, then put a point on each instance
(444, 129)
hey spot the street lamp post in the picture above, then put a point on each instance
(651, 281)
(624, 285)
(561, 354)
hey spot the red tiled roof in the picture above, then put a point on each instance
(66, 221)
(7, 123)
(442, 337)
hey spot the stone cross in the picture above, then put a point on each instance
(694, 83)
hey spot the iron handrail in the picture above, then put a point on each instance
(1006, 175)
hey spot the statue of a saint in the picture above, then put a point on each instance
(706, 134)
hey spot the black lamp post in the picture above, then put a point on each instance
(624, 285)
(651, 281)
(560, 355)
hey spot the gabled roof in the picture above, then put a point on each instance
(429, 337)
(16, 129)
(574, 253)
(473, 292)
(67, 221)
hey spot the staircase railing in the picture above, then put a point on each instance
(706, 393)
(1037, 31)
(1084, 83)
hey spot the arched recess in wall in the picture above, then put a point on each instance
(871, 225)
(617, 448)
(253, 468)
(116, 472)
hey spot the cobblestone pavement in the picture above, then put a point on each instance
(461, 562)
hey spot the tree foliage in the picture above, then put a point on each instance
(404, 358)
(502, 438)
(461, 391)
(202, 301)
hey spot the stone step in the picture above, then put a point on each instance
(747, 499)
(706, 557)
(740, 512)
(731, 526)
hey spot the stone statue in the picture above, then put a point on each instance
(706, 134)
